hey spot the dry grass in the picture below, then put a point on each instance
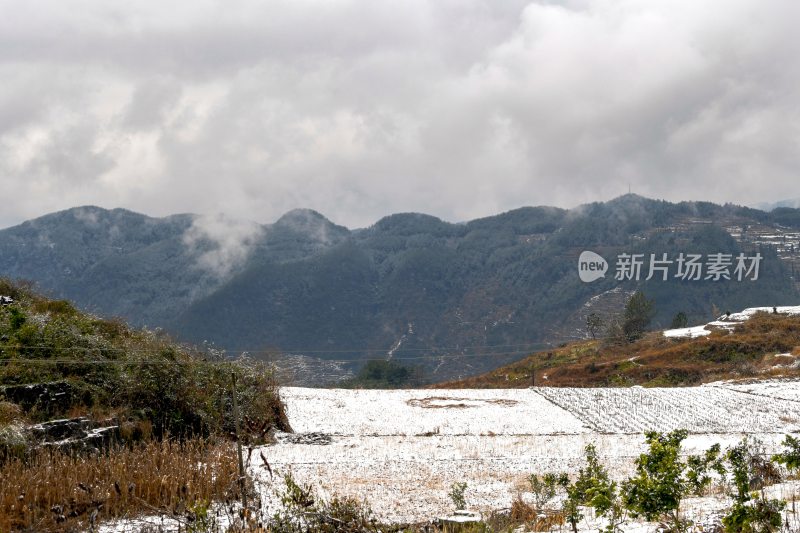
(655, 360)
(9, 412)
(533, 519)
(56, 492)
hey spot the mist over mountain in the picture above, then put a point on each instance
(793, 203)
(454, 299)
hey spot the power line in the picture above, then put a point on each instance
(232, 359)
(300, 351)
(354, 350)
(456, 351)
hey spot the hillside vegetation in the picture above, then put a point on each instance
(410, 283)
(765, 346)
(73, 385)
(97, 367)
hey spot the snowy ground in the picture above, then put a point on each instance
(729, 321)
(419, 412)
(402, 450)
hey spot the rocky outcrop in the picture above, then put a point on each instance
(304, 438)
(52, 397)
(75, 434)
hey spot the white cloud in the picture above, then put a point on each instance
(221, 243)
(359, 109)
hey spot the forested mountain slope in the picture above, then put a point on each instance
(455, 299)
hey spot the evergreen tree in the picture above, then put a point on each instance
(679, 320)
(639, 311)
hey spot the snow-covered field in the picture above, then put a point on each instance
(788, 390)
(722, 410)
(402, 450)
(419, 412)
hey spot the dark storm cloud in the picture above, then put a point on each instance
(359, 109)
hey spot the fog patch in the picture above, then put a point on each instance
(222, 244)
(86, 215)
(310, 223)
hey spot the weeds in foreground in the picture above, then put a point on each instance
(51, 491)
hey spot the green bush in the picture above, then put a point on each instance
(544, 488)
(791, 457)
(456, 494)
(16, 318)
(84, 363)
(593, 488)
(662, 480)
(751, 512)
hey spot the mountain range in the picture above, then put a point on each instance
(452, 299)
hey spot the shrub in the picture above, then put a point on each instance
(593, 488)
(301, 511)
(456, 494)
(662, 480)
(791, 457)
(16, 319)
(544, 488)
(761, 516)
(751, 512)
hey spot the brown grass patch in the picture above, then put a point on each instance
(51, 491)
(9, 412)
(655, 360)
(522, 512)
(534, 519)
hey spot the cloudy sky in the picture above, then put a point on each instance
(358, 109)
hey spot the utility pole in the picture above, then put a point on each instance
(242, 478)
